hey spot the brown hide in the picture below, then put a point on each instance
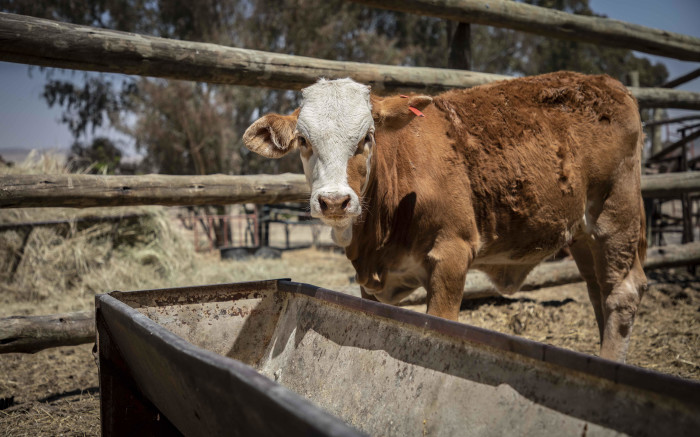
(501, 176)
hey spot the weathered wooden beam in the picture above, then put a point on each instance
(565, 272)
(666, 98)
(82, 191)
(552, 23)
(30, 334)
(670, 184)
(49, 43)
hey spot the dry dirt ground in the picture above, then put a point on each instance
(55, 392)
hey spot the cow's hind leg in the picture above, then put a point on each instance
(616, 242)
(581, 252)
(621, 293)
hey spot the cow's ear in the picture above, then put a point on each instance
(273, 135)
(395, 111)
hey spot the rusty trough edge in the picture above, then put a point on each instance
(319, 421)
(681, 389)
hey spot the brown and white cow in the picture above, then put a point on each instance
(497, 177)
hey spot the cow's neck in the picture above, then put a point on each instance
(373, 227)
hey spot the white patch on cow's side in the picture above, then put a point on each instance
(334, 116)
(588, 221)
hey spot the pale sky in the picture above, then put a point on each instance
(26, 122)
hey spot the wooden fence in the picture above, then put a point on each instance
(42, 42)
(552, 23)
(49, 43)
(83, 191)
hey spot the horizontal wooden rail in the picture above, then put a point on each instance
(552, 23)
(665, 98)
(83, 191)
(551, 274)
(670, 184)
(49, 43)
(29, 334)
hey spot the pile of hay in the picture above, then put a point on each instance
(61, 267)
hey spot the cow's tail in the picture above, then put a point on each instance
(642, 246)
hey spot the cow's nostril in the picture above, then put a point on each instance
(322, 204)
(345, 204)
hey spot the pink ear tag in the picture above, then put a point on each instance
(403, 96)
(416, 111)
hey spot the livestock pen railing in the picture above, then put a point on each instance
(49, 43)
(84, 191)
(240, 230)
(43, 42)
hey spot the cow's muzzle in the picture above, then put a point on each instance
(333, 208)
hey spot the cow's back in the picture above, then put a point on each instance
(536, 150)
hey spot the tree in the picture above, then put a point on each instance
(101, 156)
(89, 105)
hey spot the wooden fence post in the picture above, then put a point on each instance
(460, 56)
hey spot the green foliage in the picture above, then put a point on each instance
(87, 105)
(101, 156)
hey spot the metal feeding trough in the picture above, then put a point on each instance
(283, 358)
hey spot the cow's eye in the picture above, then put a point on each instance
(302, 141)
(368, 138)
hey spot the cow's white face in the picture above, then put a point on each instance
(335, 124)
(334, 132)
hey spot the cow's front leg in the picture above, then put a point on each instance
(448, 264)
